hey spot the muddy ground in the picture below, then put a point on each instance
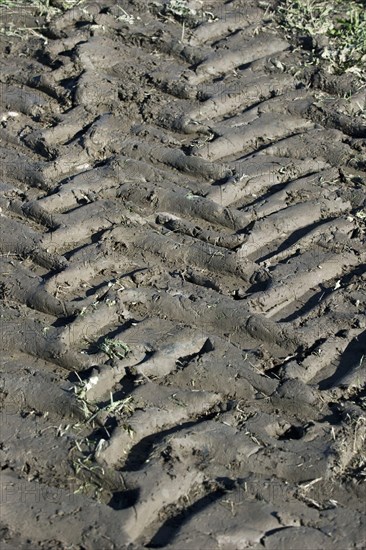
(182, 285)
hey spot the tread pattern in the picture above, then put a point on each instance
(182, 287)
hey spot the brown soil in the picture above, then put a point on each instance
(182, 286)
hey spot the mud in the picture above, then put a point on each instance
(182, 285)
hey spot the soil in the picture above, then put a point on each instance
(182, 285)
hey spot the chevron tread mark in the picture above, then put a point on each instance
(182, 285)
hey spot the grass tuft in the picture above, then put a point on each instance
(335, 30)
(115, 349)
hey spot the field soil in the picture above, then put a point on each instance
(182, 252)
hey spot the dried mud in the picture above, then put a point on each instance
(182, 286)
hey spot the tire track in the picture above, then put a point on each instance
(182, 267)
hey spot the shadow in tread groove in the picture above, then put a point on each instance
(140, 452)
(169, 529)
(351, 358)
